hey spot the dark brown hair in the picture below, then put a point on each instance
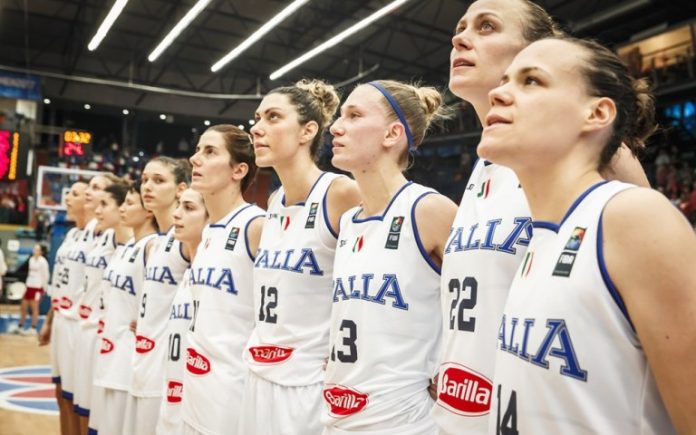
(538, 24)
(180, 168)
(238, 144)
(314, 100)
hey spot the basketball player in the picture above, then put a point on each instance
(293, 267)
(114, 365)
(53, 325)
(37, 283)
(163, 180)
(221, 278)
(596, 330)
(190, 216)
(385, 320)
(491, 232)
(112, 234)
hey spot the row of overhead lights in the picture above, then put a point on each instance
(200, 5)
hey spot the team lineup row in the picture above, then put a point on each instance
(373, 304)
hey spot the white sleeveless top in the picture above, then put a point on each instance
(488, 240)
(568, 358)
(75, 272)
(114, 367)
(164, 269)
(59, 278)
(385, 320)
(170, 420)
(221, 280)
(292, 290)
(96, 262)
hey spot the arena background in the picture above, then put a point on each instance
(110, 109)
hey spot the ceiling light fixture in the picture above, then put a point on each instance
(125, 111)
(338, 38)
(106, 24)
(87, 106)
(206, 123)
(273, 22)
(176, 31)
(47, 101)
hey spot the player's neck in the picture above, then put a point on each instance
(143, 230)
(122, 233)
(165, 218)
(219, 204)
(297, 177)
(378, 187)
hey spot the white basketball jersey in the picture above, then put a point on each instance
(164, 269)
(114, 366)
(488, 240)
(221, 280)
(568, 358)
(170, 420)
(385, 320)
(59, 277)
(292, 290)
(75, 272)
(96, 262)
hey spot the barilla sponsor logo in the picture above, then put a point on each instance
(85, 311)
(143, 344)
(343, 401)
(65, 303)
(196, 363)
(270, 354)
(55, 304)
(100, 327)
(106, 345)
(464, 392)
(175, 391)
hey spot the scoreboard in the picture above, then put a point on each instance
(74, 143)
(9, 155)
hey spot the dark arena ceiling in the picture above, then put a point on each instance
(50, 38)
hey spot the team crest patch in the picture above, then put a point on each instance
(394, 233)
(284, 222)
(135, 255)
(232, 239)
(312, 215)
(527, 264)
(358, 245)
(28, 389)
(170, 242)
(485, 189)
(575, 239)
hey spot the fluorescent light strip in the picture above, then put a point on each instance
(273, 22)
(180, 26)
(106, 24)
(338, 38)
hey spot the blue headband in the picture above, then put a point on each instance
(397, 110)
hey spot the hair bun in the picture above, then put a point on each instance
(325, 94)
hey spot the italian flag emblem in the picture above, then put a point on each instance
(284, 222)
(357, 246)
(485, 189)
(527, 264)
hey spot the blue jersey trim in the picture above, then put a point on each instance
(613, 291)
(82, 412)
(66, 395)
(386, 210)
(555, 227)
(91, 431)
(419, 243)
(246, 236)
(181, 251)
(55, 379)
(282, 200)
(326, 214)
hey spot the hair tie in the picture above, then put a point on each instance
(397, 109)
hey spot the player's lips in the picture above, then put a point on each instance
(196, 174)
(458, 62)
(148, 197)
(494, 119)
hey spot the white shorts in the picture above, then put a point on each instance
(85, 355)
(141, 415)
(53, 348)
(190, 430)
(111, 421)
(170, 420)
(96, 410)
(65, 354)
(270, 409)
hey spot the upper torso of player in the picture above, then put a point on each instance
(567, 351)
(385, 320)
(59, 278)
(75, 272)
(38, 272)
(488, 240)
(164, 268)
(292, 289)
(96, 262)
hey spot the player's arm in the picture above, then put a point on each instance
(434, 216)
(342, 195)
(45, 332)
(626, 167)
(650, 253)
(254, 234)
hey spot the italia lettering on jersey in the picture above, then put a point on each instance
(122, 282)
(220, 278)
(181, 311)
(99, 262)
(483, 237)
(369, 290)
(556, 343)
(291, 260)
(161, 274)
(78, 256)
